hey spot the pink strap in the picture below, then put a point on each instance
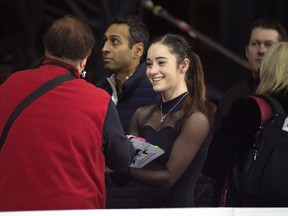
(265, 108)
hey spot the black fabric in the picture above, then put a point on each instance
(164, 135)
(264, 175)
(241, 90)
(121, 176)
(111, 148)
(29, 99)
(231, 143)
(137, 92)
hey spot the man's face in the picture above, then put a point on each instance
(260, 41)
(116, 52)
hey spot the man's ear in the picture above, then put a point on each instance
(138, 50)
(83, 63)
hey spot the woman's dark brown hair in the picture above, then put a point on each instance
(180, 47)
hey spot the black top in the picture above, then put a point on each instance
(164, 135)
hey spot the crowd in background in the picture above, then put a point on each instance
(23, 23)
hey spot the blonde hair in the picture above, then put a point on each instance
(274, 70)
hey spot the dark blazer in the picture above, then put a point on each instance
(137, 92)
(241, 90)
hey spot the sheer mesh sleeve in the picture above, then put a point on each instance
(193, 132)
(140, 118)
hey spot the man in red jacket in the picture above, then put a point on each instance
(55, 152)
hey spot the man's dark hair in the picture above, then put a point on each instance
(139, 32)
(270, 23)
(69, 37)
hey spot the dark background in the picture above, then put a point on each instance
(226, 22)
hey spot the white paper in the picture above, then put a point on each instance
(145, 152)
(285, 125)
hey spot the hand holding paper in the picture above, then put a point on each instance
(145, 151)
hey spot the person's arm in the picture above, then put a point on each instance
(118, 150)
(194, 132)
(134, 127)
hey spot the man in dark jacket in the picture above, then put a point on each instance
(263, 33)
(126, 41)
(124, 51)
(236, 136)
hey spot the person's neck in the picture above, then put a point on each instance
(122, 76)
(255, 74)
(170, 95)
(64, 60)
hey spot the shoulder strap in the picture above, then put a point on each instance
(265, 108)
(28, 99)
(274, 103)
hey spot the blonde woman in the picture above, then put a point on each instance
(236, 135)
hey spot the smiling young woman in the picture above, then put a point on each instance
(178, 124)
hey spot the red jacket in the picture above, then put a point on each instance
(52, 157)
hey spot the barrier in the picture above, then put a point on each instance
(153, 212)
